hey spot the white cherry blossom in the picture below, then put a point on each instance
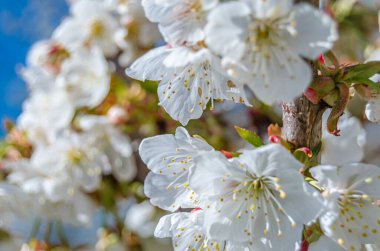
(346, 148)
(262, 43)
(85, 77)
(180, 22)
(47, 55)
(170, 158)
(114, 146)
(90, 23)
(140, 218)
(55, 195)
(186, 231)
(351, 192)
(189, 79)
(259, 197)
(45, 105)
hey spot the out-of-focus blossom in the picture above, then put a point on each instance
(90, 23)
(141, 218)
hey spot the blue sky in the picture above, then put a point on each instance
(22, 22)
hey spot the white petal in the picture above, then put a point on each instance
(282, 77)
(324, 244)
(316, 32)
(225, 36)
(372, 110)
(348, 147)
(169, 193)
(207, 178)
(265, 9)
(149, 66)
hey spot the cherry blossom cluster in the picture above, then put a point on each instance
(215, 49)
(259, 200)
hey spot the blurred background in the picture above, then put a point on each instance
(22, 22)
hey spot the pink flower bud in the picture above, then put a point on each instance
(227, 154)
(275, 139)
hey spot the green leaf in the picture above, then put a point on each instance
(373, 85)
(331, 56)
(250, 137)
(338, 109)
(361, 71)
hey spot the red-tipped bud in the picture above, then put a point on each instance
(306, 151)
(228, 155)
(322, 59)
(320, 87)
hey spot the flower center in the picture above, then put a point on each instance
(75, 156)
(97, 29)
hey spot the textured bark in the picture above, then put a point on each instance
(302, 120)
(302, 123)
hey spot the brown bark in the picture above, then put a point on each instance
(302, 120)
(302, 123)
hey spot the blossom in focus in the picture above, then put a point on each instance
(262, 43)
(170, 159)
(352, 215)
(180, 22)
(256, 198)
(186, 231)
(189, 79)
